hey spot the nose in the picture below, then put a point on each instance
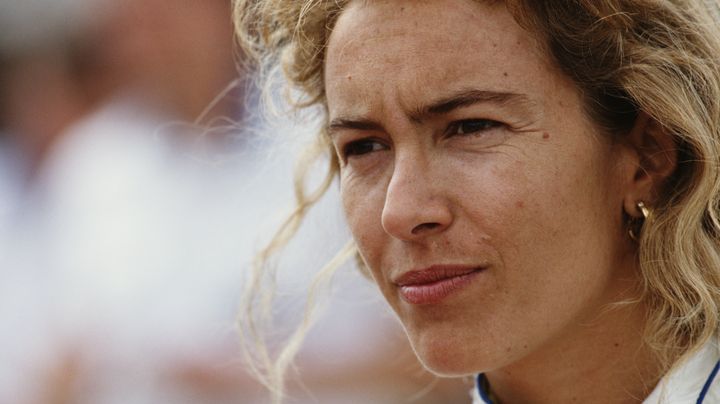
(415, 205)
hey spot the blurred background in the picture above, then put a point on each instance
(137, 180)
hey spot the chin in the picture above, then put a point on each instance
(447, 357)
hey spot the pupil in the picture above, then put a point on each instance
(360, 148)
(474, 126)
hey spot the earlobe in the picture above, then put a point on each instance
(635, 224)
(656, 153)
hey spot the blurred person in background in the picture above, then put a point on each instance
(123, 231)
(101, 211)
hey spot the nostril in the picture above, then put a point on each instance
(424, 227)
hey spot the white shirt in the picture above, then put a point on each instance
(694, 381)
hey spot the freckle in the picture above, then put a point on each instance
(546, 136)
(349, 78)
(525, 346)
(520, 204)
(505, 74)
(494, 45)
(508, 349)
(617, 345)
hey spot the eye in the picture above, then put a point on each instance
(361, 147)
(472, 126)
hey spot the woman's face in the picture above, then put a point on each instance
(485, 203)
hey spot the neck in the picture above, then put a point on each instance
(603, 360)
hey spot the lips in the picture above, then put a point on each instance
(434, 284)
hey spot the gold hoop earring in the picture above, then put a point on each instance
(635, 225)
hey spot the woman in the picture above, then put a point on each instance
(533, 186)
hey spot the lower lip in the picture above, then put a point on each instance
(435, 292)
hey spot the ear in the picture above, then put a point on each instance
(655, 159)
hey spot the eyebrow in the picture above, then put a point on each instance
(352, 123)
(441, 106)
(466, 98)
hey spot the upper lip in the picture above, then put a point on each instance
(435, 273)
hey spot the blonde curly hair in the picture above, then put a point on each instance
(661, 58)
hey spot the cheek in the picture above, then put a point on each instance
(496, 194)
(363, 203)
(552, 221)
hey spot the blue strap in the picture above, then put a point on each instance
(483, 394)
(708, 382)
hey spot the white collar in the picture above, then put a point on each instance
(683, 385)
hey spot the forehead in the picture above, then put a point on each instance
(420, 47)
(444, 19)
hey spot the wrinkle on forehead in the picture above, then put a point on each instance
(371, 24)
(385, 13)
(382, 63)
(489, 18)
(373, 36)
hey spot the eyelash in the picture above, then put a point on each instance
(481, 125)
(369, 145)
(353, 148)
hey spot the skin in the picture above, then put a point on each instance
(516, 179)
